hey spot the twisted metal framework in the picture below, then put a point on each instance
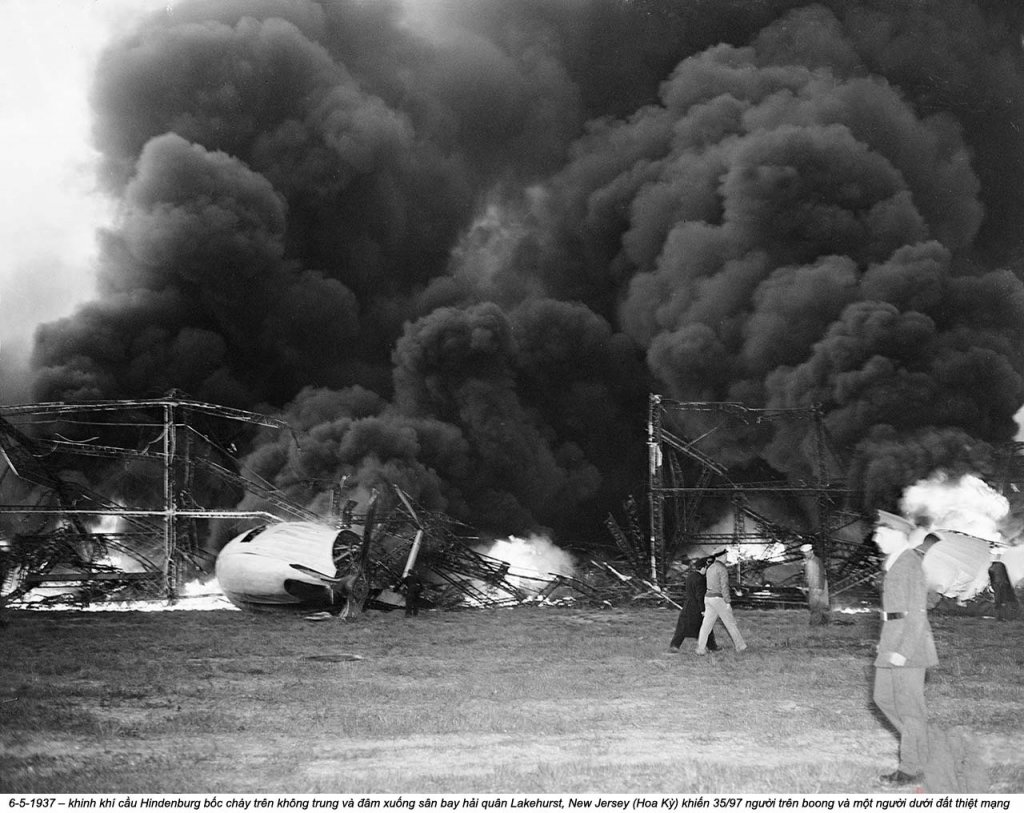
(449, 552)
(687, 479)
(157, 450)
(169, 457)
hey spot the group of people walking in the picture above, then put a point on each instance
(707, 599)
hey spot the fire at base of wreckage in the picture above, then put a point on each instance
(65, 543)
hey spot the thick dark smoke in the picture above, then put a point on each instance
(457, 243)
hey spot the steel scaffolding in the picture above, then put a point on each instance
(687, 442)
(56, 522)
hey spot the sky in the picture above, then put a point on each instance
(50, 208)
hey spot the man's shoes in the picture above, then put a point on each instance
(741, 648)
(673, 649)
(901, 778)
(701, 651)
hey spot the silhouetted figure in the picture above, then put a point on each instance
(413, 590)
(692, 612)
(1007, 606)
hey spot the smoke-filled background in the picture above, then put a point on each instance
(457, 242)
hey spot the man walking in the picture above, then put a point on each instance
(718, 604)
(906, 647)
(692, 612)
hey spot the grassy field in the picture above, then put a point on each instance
(526, 700)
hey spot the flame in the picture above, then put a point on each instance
(533, 560)
(736, 551)
(967, 504)
(195, 595)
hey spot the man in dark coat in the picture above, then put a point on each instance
(1007, 606)
(906, 647)
(692, 613)
(413, 585)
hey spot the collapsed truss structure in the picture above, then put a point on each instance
(443, 547)
(167, 468)
(706, 490)
(709, 488)
(160, 459)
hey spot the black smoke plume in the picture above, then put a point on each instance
(456, 243)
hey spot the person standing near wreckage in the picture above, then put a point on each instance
(1003, 594)
(817, 587)
(905, 648)
(413, 585)
(718, 604)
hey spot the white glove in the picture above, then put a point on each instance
(896, 659)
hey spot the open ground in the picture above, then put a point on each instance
(524, 700)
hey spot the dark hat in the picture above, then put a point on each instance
(895, 521)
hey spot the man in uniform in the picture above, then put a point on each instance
(906, 647)
(817, 587)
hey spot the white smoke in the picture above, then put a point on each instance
(957, 567)
(967, 504)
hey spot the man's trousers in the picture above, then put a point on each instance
(715, 608)
(899, 694)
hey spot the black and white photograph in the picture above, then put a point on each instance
(473, 404)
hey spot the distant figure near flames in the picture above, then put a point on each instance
(1007, 606)
(906, 647)
(817, 587)
(413, 585)
(718, 604)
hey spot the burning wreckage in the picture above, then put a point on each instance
(362, 561)
(62, 541)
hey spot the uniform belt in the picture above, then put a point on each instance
(713, 595)
(892, 616)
